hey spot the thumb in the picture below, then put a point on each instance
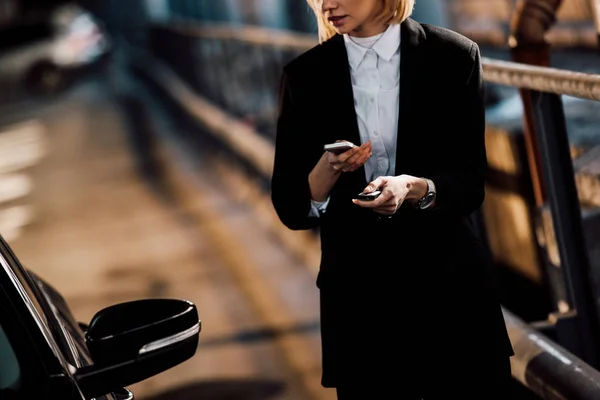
(375, 184)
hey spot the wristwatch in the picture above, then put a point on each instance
(427, 200)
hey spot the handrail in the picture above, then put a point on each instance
(250, 34)
(543, 79)
(547, 368)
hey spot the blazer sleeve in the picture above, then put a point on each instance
(460, 188)
(294, 159)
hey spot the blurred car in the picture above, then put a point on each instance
(46, 354)
(42, 53)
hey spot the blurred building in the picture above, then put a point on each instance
(435, 12)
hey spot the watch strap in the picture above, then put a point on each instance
(426, 200)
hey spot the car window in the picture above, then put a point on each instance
(68, 334)
(10, 369)
(69, 347)
(32, 299)
(51, 314)
(20, 369)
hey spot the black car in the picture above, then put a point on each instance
(44, 52)
(46, 354)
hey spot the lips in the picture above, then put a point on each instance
(337, 20)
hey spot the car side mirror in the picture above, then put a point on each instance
(132, 341)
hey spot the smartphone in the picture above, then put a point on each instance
(338, 147)
(368, 196)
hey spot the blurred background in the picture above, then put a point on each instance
(136, 142)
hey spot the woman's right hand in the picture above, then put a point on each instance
(352, 159)
(327, 171)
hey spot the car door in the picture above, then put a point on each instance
(71, 332)
(53, 330)
(20, 370)
(32, 364)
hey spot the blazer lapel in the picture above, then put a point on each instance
(339, 82)
(411, 60)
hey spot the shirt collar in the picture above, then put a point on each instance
(385, 47)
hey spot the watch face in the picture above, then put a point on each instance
(427, 200)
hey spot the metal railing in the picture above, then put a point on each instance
(542, 79)
(548, 369)
(237, 70)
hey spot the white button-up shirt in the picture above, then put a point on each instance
(375, 73)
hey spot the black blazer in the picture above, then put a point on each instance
(438, 263)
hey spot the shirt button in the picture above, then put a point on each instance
(372, 100)
(376, 133)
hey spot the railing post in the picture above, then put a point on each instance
(529, 23)
(576, 317)
(557, 167)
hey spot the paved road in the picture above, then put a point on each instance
(75, 210)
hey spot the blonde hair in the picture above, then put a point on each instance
(394, 12)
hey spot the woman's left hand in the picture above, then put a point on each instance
(394, 190)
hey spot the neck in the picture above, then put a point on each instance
(366, 30)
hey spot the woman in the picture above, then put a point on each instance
(408, 309)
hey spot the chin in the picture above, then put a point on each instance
(342, 30)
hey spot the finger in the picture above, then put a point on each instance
(377, 203)
(390, 207)
(360, 157)
(381, 201)
(355, 158)
(366, 148)
(375, 184)
(387, 208)
(347, 154)
(361, 161)
(362, 203)
(364, 158)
